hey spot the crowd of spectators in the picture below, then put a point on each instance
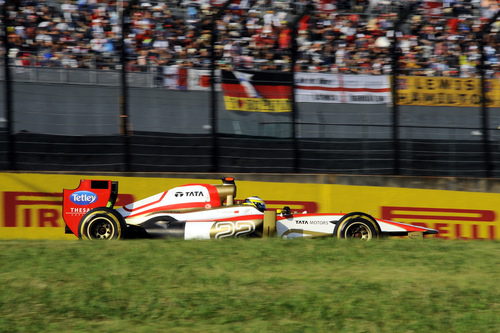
(439, 38)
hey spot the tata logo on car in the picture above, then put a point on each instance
(189, 194)
(194, 194)
(83, 198)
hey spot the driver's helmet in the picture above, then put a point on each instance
(256, 202)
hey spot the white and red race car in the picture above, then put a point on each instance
(204, 211)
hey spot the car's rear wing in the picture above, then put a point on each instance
(88, 195)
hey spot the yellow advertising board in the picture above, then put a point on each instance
(30, 204)
(446, 91)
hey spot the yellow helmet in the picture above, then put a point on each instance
(256, 202)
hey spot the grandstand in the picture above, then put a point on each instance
(339, 36)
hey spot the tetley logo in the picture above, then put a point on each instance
(83, 197)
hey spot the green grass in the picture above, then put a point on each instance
(250, 285)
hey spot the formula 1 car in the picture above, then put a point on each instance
(203, 211)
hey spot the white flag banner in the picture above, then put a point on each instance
(171, 76)
(342, 88)
(199, 79)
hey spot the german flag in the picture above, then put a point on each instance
(255, 91)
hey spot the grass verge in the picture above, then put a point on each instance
(250, 285)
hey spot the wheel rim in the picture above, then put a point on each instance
(358, 230)
(100, 228)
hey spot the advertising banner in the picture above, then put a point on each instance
(446, 91)
(257, 91)
(30, 204)
(339, 88)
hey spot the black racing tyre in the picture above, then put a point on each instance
(102, 223)
(357, 226)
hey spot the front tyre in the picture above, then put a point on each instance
(357, 226)
(102, 223)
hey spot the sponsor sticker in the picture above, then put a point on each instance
(83, 198)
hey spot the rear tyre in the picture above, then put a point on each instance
(102, 223)
(357, 226)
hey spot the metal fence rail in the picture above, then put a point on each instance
(82, 76)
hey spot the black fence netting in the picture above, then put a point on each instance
(346, 156)
(4, 158)
(443, 158)
(255, 154)
(170, 152)
(71, 153)
(160, 152)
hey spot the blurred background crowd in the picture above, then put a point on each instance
(439, 38)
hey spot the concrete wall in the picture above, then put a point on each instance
(74, 109)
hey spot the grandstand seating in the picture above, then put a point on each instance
(440, 38)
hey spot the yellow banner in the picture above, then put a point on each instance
(446, 91)
(257, 104)
(30, 204)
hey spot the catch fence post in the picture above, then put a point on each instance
(293, 103)
(9, 114)
(396, 168)
(404, 11)
(485, 120)
(213, 93)
(123, 99)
